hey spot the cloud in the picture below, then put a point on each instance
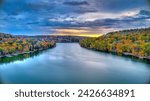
(82, 31)
(29, 16)
(144, 12)
(122, 21)
(120, 5)
(76, 3)
(148, 2)
(1, 2)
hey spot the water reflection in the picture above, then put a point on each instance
(127, 58)
(22, 57)
(7, 60)
(72, 64)
(1, 81)
(149, 82)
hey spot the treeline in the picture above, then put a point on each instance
(135, 42)
(11, 46)
(56, 38)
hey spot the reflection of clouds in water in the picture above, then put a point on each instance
(75, 64)
(94, 64)
(16, 64)
(55, 57)
(21, 62)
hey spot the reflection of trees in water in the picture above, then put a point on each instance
(148, 82)
(6, 60)
(1, 81)
(127, 58)
(22, 57)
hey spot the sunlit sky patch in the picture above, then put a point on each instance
(83, 17)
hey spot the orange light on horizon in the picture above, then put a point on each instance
(76, 32)
(82, 35)
(72, 31)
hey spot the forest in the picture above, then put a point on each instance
(134, 42)
(10, 45)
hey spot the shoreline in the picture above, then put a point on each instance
(16, 54)
(139, 57)
(123, 54)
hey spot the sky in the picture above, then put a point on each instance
(40, 17)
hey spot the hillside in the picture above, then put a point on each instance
(14, 45)
(10, 45)
(134, 42)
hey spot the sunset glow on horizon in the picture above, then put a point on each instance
(76, 32)
(82, 35)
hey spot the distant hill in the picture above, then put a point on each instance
(55, 38)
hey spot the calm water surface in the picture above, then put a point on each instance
(70, 63)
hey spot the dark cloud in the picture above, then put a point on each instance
(144, 12)
(148, 2)
(119, 5)
(76, 3)
(138, 20)
(79, 11)
(1, 2)
(30, 15)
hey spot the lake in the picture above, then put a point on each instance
(68, 63)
